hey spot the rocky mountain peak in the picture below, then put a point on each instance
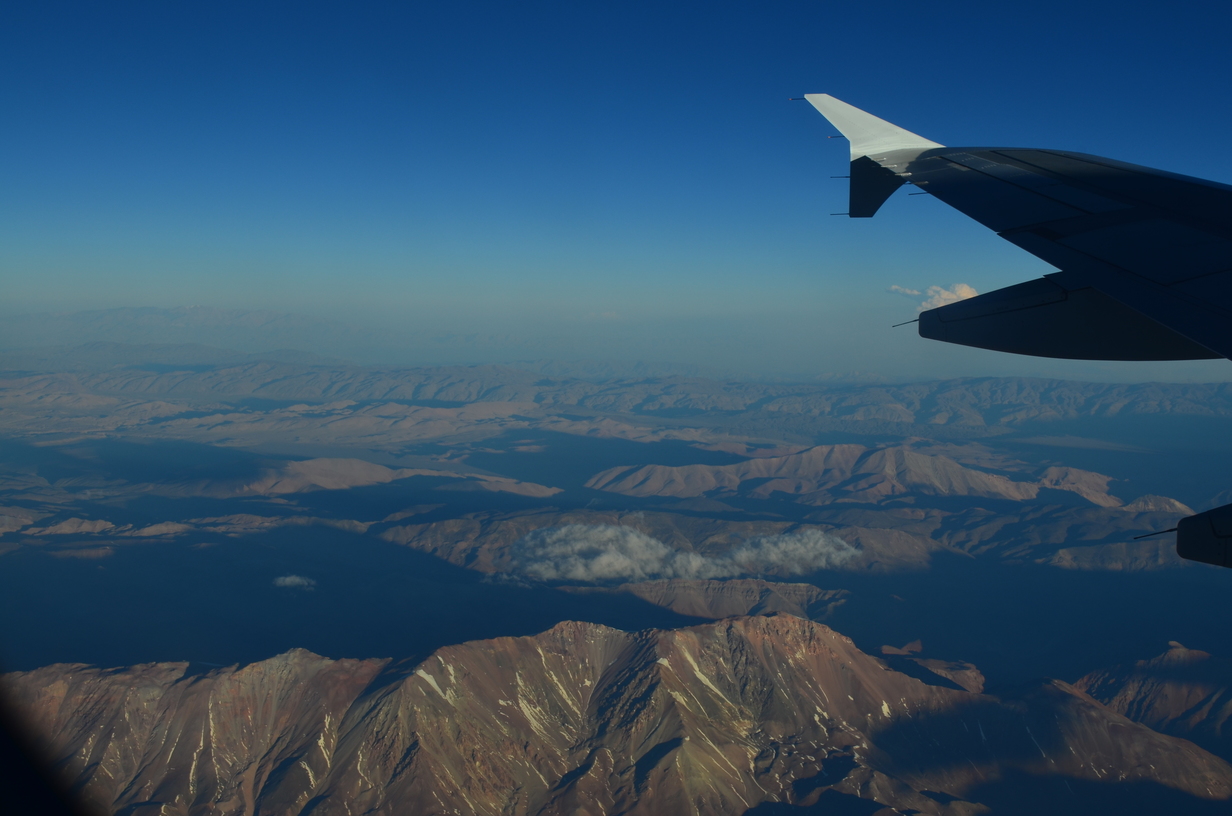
(718, 718)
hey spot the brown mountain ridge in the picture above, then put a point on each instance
(582, 719)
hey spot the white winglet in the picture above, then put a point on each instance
(867, 133)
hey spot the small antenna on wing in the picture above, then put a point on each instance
(1157, 532)
(896, 325)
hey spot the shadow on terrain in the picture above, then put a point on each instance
(1023, 729)
(1016, 622)
(830, 803)
(170, 462)
(1022, 794)
(375, 502)
(217, 604)
(569, 461)
(905, 665)
(834, 769)
(1181, 456)
(161, 462)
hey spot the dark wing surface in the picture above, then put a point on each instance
(1145, 256)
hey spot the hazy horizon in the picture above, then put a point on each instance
(753, 347)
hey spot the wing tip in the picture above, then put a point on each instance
(866, 133)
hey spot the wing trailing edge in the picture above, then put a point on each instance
(1043, 318)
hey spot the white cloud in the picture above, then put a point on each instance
(937, 295)
(579, 552)
(940, 296)
(294, 581)
(797, 553)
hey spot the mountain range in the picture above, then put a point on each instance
(721, 718)
(277, 583)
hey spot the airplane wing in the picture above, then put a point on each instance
(1145, 256)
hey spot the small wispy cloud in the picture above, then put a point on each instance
(940, 296)
(935, 296)
(294, 581)
(604, 552)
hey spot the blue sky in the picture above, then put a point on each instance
(603, 180)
